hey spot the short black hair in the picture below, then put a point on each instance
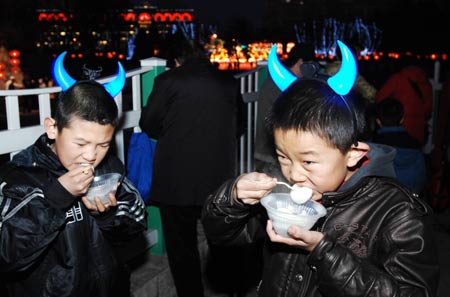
(181, 48)
(87, 100)
(304, 51)
(311, 105)
(390, 112)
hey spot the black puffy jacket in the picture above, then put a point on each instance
(377, 241)
(50, 244)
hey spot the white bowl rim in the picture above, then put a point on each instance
(321, 210)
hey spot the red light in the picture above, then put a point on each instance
(159, 17)
(42, 16)
(14, 53)
(129, 17)
(14, 62)
(144, 16)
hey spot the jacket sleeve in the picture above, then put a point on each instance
(405, 268)
(228, 222)
(128, 219)
(29, 222)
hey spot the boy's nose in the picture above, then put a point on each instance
(298, 175)
(90, 155)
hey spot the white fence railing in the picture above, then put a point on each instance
(19, 137)
(16, 137)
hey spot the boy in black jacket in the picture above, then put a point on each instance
(374, 239)
(53, 241)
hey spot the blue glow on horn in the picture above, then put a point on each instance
(60, 75)
(343, 81)
(282, 77)
(115, 86)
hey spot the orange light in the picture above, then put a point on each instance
(2, 75)
(15, 70)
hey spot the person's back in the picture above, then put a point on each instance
(409, 162)
(194, 113)
(412, 88)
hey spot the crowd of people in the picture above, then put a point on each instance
(358, 146)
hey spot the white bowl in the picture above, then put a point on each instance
(102, 185)
(283, 212)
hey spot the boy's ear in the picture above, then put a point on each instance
(50, 127)
(356, 153)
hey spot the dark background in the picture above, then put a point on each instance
(417, 26)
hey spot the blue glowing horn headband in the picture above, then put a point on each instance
(65, 81)
(342, 82)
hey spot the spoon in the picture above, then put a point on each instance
(298, 194)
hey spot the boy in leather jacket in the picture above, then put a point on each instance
(375, 239)
(53, 241)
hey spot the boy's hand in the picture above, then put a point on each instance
(77, 180)
(98, 205)
(302, 238)
(251, 187)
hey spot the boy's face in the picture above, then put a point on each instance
(80, 143)
(308, 160)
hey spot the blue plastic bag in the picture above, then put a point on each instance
(140, 163)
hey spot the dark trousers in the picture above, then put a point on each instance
(180, 233)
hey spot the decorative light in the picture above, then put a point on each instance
(14, 53)
(14, 62)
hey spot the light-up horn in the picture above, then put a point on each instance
(65, 81)
(282, 77)
(62, 78)
(342, 82)
(116, 85)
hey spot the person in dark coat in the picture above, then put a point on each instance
(193, 112)
(409, 162)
